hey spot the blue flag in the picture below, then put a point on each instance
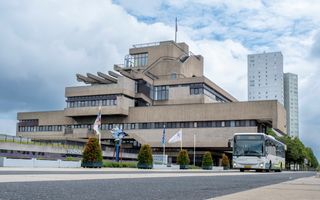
(164, 135)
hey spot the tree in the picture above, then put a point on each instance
(207, 161)
(312, 160)
(272, 133)
(225, 161)
(296, 152)
(183, 159)
(302, 154)
(145, 160)
(92, 154)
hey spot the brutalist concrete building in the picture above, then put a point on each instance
(159, 84)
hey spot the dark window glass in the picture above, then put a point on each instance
(218, 124)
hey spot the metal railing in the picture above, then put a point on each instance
(149, 44)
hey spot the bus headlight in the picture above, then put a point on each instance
(234, 164)
(261, 165)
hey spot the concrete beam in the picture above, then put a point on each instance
(105, 76)
(97, 78)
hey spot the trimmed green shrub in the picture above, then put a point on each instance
(119, 164)
(225, 161)
(71, 159)
(207, 161)
(92, 154)
(193, 167)
(183, 159)
(145, 160)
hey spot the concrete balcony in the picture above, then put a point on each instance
(82, 133)
(122, 108)
(92, 111)
(124, 86)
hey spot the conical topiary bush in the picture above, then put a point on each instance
(225, 161)
(145, 160)
(92, 154)
(207, 161)
(183, 159)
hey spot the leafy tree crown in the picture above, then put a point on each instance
(207, 159)
(145, 155)
(92, 151)
(183, 158)
(225, 160)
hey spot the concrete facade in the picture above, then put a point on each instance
(291, 103)
(158, 84)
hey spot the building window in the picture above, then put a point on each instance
(136, 60)
(161, 93)
(91, 101)
(196, 89)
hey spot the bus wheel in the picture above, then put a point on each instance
(241, 170)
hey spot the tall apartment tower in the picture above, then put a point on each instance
(291, 103)
(265, 77)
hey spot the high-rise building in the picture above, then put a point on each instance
(265, 77)
(291, 103)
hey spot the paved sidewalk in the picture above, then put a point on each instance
(168, 169)
(104, 176)
(299, 189)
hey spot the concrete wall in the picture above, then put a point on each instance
(5, 162)
(258, 110)
(46, 117)
(166, 48)
(36, 148)
(100, 90)
(122, 108)
(189, 80)
(181, 95)
(193, 66)
(205, 137)
(1, 161)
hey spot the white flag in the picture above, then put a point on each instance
(176, 138)
(97, 123)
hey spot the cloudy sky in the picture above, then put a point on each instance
(44, 43)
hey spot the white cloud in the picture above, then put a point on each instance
(225, 64)
(8, 126)
(50, 41)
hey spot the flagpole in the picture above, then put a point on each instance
(164, 144)
(194, 149)
(99, 127)
(181, 141)
(176, 30)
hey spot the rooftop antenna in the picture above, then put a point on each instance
(176, 30)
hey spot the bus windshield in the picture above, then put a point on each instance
(248, 145)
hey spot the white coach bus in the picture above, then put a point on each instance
(258, 151)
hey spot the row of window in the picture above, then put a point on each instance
(92, 97)
(92, 103)
(162, 92)
(40, 128)
(150, 125)
(199, 88)
(136, 60)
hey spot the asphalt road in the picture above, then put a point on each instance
(194, 187)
